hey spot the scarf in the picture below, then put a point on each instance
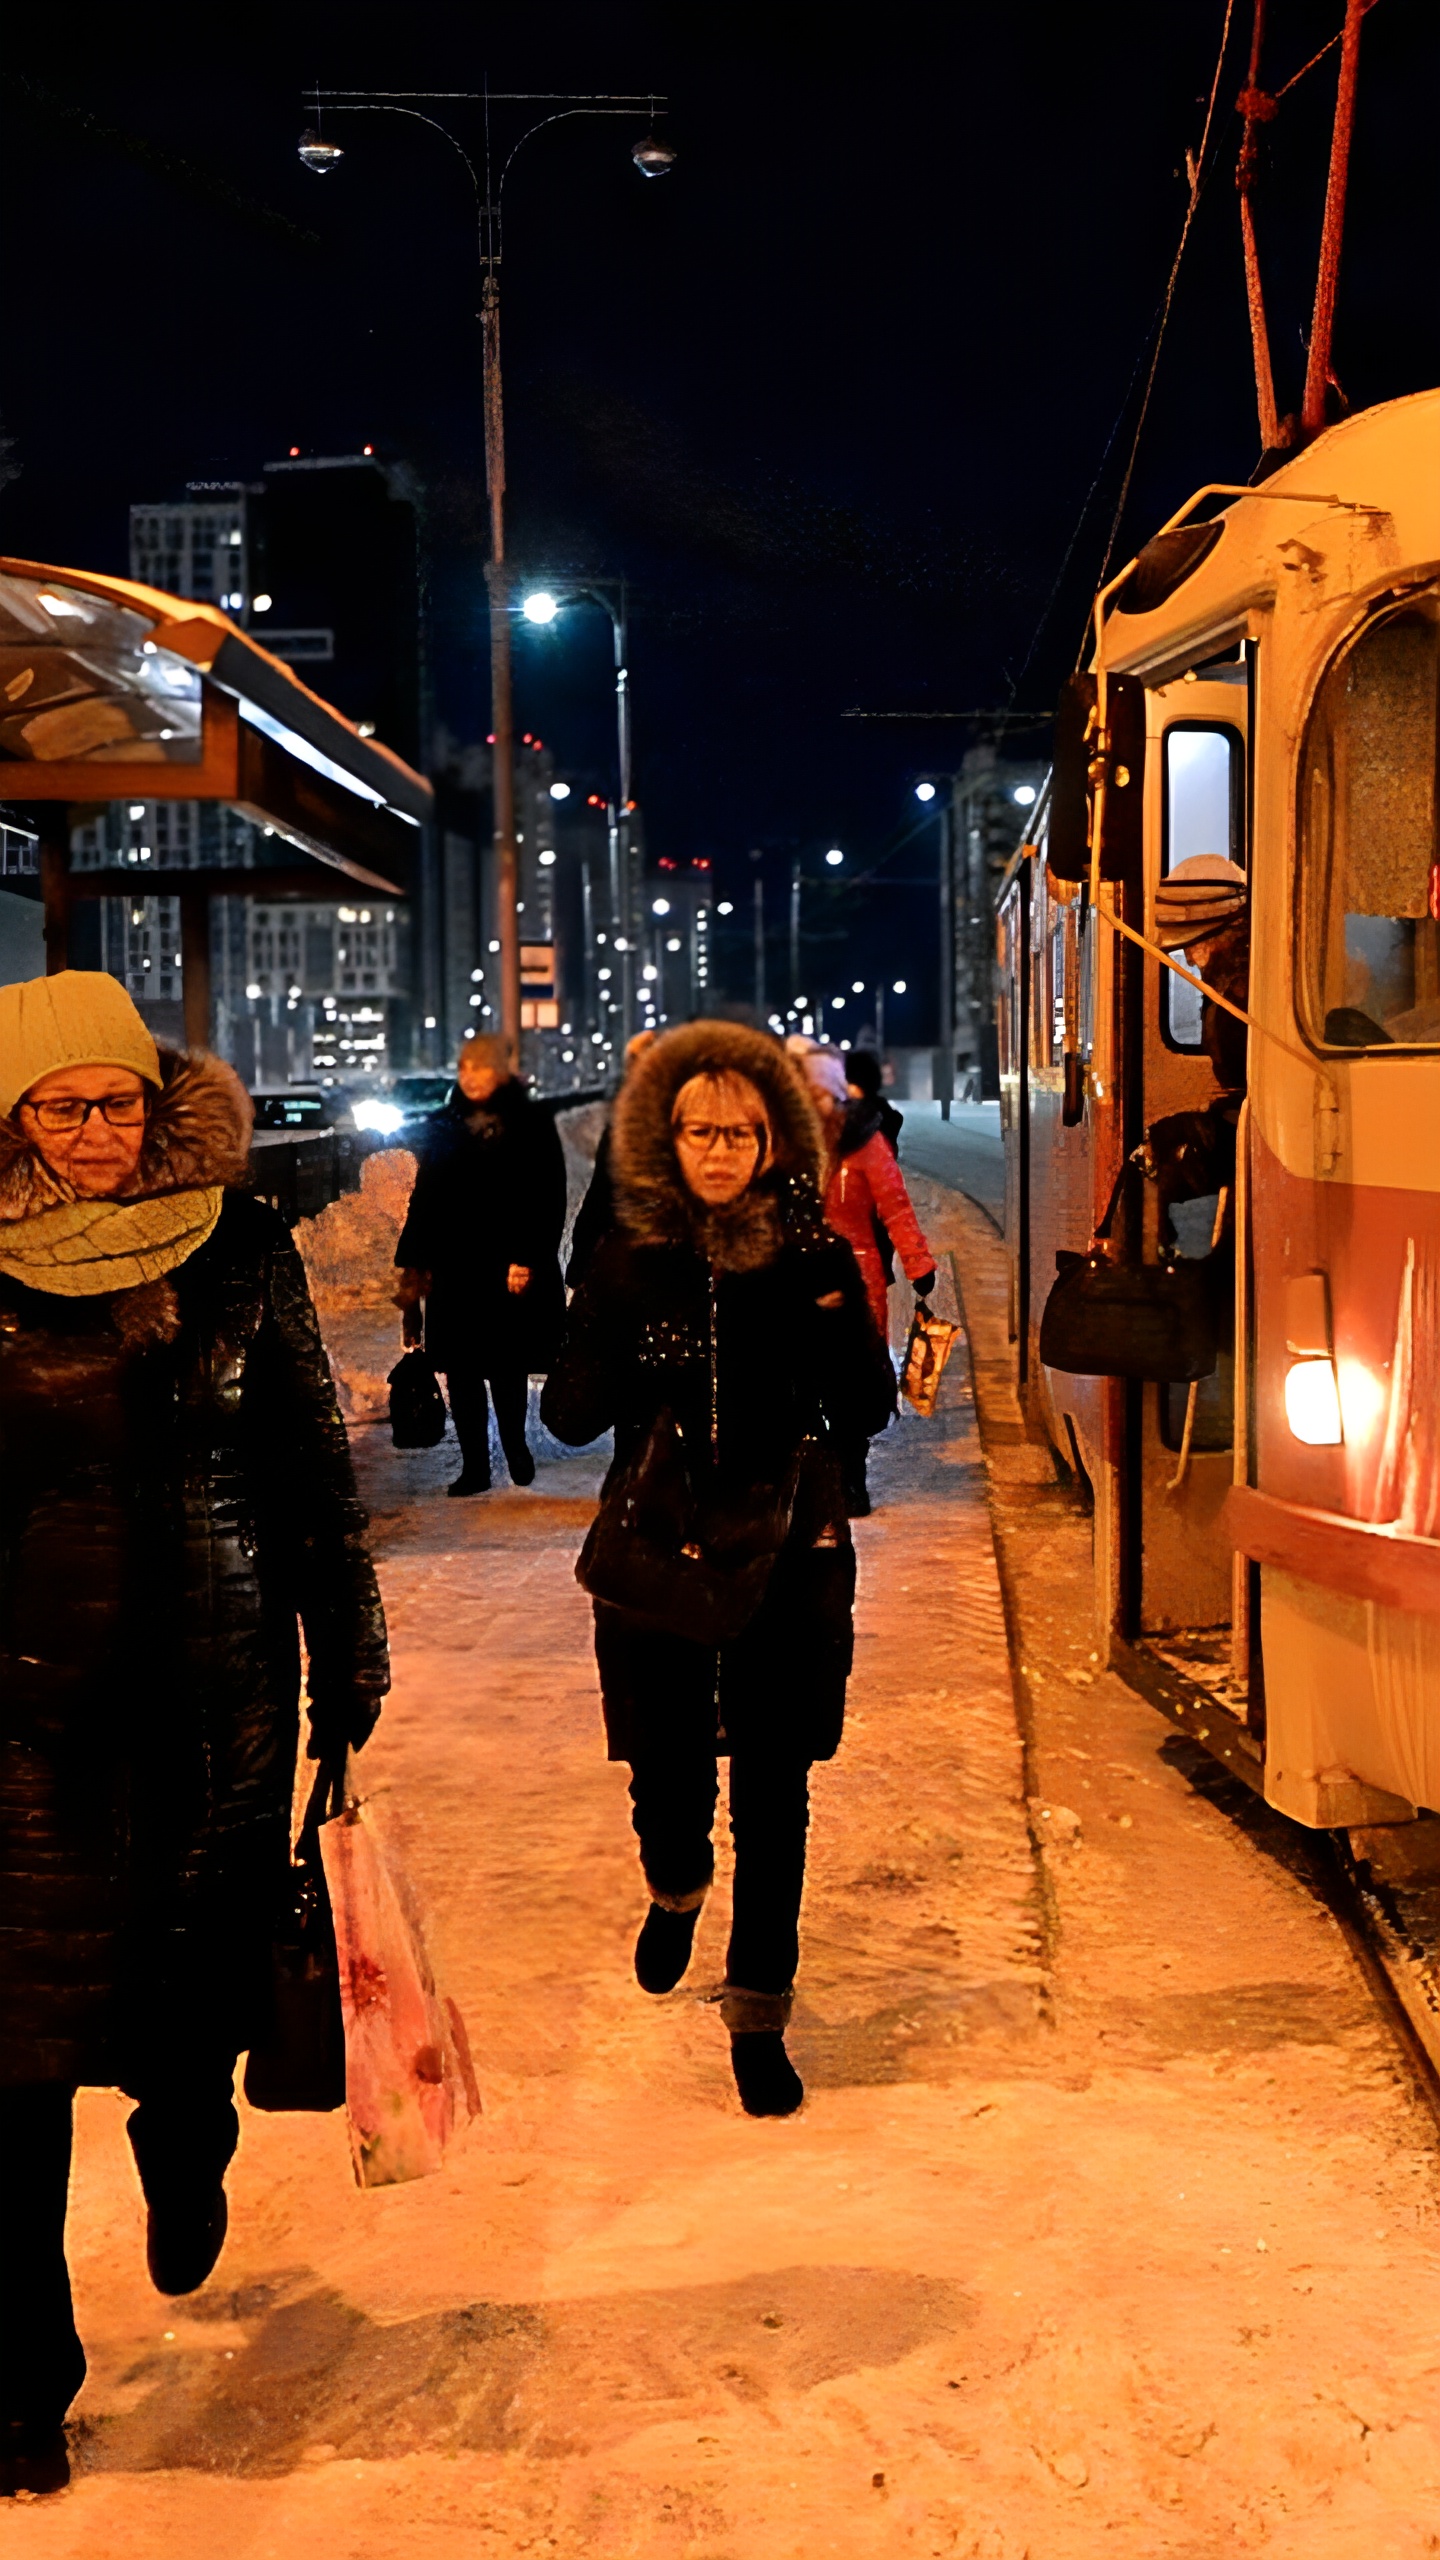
(83, 1248)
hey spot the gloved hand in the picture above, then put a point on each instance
(923, 1286)
(342, 1722)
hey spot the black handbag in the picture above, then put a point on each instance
(299, 2064)
(688, 1565)
(417, 1408)
(1110, 1315)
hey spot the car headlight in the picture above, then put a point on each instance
(383, 1117)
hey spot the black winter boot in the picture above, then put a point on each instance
(662, 1950)
(184, 2238)
(765, 2076)
(471, 1480)
(521, 1463)
(34, 2462)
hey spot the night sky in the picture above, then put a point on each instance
(830, 397)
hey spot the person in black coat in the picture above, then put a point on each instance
(481, 1245)
(176, 1500)
(723, 1305)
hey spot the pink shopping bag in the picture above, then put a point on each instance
(409, 2079)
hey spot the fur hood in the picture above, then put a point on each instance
(198, 1134)
(652, 1203)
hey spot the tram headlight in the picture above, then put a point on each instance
(1312, 1403)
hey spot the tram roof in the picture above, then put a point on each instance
(1378, 470)
(111, 690)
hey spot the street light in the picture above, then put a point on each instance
(489, 207)
(653, 158)
(543, 607)
(924, 790)
(834, 857)
(317, 153)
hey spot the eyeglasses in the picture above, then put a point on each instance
(117, 1110)
(706, 1135)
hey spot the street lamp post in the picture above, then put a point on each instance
(653, 158)
(542, 606)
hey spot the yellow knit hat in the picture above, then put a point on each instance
(78, 1018)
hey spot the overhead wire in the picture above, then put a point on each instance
(1153, 338)
(1198, 175)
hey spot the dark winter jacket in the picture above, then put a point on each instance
(175, 1493)
(490, 1192)
(721, 1317)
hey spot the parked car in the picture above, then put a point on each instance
(397, 1110)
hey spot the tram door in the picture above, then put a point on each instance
(1181, 1438)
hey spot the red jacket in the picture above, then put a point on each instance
(863, 1187)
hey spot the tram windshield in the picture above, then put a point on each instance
(1369, 878)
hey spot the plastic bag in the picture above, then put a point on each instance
(409, 2079)
(932, 1339)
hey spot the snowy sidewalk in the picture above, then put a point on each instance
(1134, 2254)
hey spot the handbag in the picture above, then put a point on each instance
(417, 1408)
(299, 2064)
(1110, 1315)
(932, 1339)
(690, 1566)
(409, 2079)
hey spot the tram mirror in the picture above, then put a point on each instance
(1068, 852)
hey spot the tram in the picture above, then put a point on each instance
(1262, 689)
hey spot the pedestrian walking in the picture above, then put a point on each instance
(863, 1084)
(722, 1331)
(481, 1249)
(175, 1491)
(865, 1189)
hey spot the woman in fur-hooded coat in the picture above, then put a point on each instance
(747, 1323)
(176, 1499)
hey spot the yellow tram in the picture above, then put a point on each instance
(1262, 694)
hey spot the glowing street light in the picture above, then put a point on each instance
(1024, 795)
(924, 790)
(559, 790)
(654, 158)
(541, 606)
(317, 153)
(834, 857)
(898, 989)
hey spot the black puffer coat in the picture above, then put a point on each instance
(719, 1317)
(490, 1191)
(175, 1492)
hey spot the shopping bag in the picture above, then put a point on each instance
(298, 2063)
(417, 1408)
(409, 2079)
(932, 1339)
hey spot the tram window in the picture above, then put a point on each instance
(1203, 785)
(1369, 880)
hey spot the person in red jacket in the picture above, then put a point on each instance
(865, 1186)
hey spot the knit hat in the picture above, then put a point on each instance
(825, 1070)
(1201, 895)
(492, 1048)
(78, 1018)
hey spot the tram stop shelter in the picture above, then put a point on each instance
(112, 691)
